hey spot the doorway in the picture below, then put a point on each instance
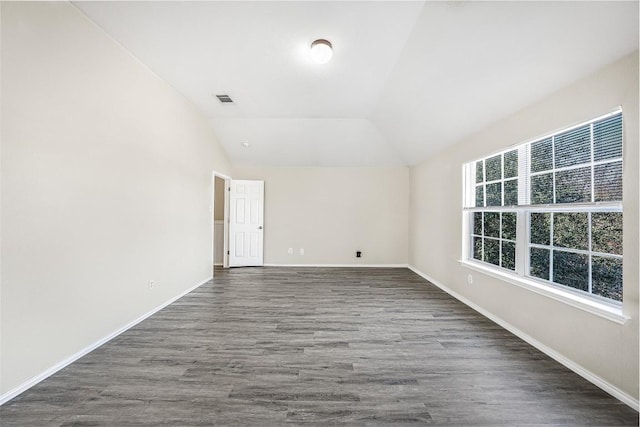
(220, 221)
(237, 232)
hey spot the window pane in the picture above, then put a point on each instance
(509, 255)
(511, 164)
(573, 147)
(606, 277)
(492, 224)
(541, 157)
(571, 230)
(607, 138)
(542, 189)
(494, 194)
(494, 168)
(492, 251)
(571, 269)
(606, 232)
(480, 196)
(479, 172)
(511, 192)
(477, 223)
(477, 248)
(539, 263)
(509, 225)
(540, 228)
(607, 179)
(573, 185)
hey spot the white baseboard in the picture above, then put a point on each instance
(339, 265)
(584, 373)
(69, 360)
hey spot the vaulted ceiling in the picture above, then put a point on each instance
(406, 80)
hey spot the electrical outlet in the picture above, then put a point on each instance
(301, 251)
(152, 284)
(358, 254)
(470, 279)
(290, 251)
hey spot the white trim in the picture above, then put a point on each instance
(220, 175)
(4, 398)
(339, 265)
(607, 311)
(225, 247)
(584, 373)
(559, 207)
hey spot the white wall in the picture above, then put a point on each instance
(605, 348)
(334, 212)
(106, 184)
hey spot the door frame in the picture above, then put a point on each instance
(225, 256)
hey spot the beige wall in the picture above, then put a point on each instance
(218, 208)
(606, 349)
(106, 185)
(333, 212)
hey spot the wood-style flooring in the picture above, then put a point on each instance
(327, 346)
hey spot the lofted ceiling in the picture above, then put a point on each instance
(406, 80)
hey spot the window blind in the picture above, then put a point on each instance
(580, 165)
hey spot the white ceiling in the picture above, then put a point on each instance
(406, 80)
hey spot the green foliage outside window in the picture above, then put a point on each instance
(494, 238)
(566, 262)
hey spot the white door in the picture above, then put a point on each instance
(246, 212)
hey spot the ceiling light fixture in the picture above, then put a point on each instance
(321, 51)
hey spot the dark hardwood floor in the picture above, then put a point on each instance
(274, 346)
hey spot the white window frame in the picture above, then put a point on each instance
(603, 307)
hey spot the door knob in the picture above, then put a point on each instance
(259, 227)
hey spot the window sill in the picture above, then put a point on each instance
(606, 311)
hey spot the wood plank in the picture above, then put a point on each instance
(289, 346)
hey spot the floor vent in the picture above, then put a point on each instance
(225, 99)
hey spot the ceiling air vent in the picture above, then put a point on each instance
(225, 99)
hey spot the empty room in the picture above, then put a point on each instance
(319, 213)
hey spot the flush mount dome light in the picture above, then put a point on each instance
(321, 51)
